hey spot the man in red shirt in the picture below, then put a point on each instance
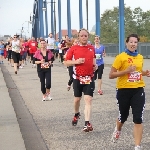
(82, 58)
(32, 49)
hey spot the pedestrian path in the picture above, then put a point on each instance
(10, 135)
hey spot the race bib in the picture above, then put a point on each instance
(134, 77)
(45, 65)
(98, 56)
(33, 44)
(16, 48)
(85, 80)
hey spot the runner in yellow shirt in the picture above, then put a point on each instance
(127, 68)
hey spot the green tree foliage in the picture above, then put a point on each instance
(136, 21)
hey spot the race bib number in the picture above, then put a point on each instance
(33, 44)
(45, 65)
(85, 80)
(16, 48)
(134, 77)
(98, 56)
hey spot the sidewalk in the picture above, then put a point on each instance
(10, 135)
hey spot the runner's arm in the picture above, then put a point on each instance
(114, 73)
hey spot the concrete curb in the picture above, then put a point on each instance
(10, 135)
(30, 133)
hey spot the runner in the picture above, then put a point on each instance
(42, 58)
(57, 49)
(1, 52)
(82, 58)
(100, 53)
(16, 52)
(60, 53)
(50, 43)
(32, 48)
(9, 52)
(25, 50)
(28, 51)
(21, 53)
(64, 45)
(128, 69)
(70, 68)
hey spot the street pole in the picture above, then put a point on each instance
(87, 15)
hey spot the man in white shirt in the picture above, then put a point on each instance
(51, 43)
(51, 46)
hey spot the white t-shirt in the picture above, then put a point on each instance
(16, 46)
(51, 43)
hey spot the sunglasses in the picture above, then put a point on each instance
(15, 37)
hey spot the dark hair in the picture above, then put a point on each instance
(16, 35)
(42, 40)
(132, 35)
(83, 29)
(97, 36)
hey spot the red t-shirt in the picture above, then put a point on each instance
(26, 46)
(33, 46)
(87, 52)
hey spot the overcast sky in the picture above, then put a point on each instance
(14, 13)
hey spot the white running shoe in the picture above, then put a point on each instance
(20, 67)
(138, 148)
(115, 136)
(34, 65)
(44, 98)
(49, 97)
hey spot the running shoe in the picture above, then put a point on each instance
(88, 128)
(115, 136)
(33, 66)
(44, 98)
(138, 148)
(100, 92)
(49, 97)
(20, 67)
(75, 120)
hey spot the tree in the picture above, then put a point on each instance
(136, 21)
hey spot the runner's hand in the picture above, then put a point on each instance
(50, 62)
(80, 61)
(43, 61)
(95, 67)
(147, 73)
(131, 68)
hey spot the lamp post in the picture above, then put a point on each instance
(22, 29)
